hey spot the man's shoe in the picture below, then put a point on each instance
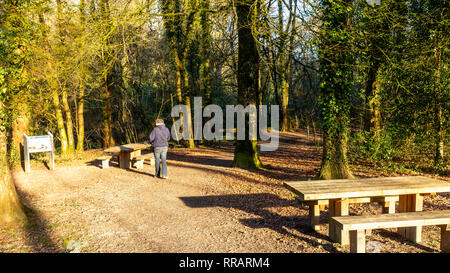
(165, 177)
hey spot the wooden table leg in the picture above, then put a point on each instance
(314, 216)
(411, 203)
(134, 154)
(388, 204)
(124, 159)
(358, 241)
(445, 238)
(389, 207)
(338, 207)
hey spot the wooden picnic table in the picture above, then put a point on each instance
(409, 189)
(127, 152)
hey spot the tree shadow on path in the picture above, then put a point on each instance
(257, 204)
(293, 159)
(37, 229)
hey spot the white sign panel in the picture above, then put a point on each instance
(38, 144)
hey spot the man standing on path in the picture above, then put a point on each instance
(160, 137)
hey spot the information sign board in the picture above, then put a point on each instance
(38, 144)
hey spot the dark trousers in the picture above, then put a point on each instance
(160, 158)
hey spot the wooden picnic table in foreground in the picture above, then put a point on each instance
(127, 152)
(340, 192)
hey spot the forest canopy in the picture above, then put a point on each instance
(370, 78)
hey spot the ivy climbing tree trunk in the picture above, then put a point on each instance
(372, 120)
(13, 25)
(19, 126)
(178, 24)
(246, 151)
(10, 207)
(336, 77)
(376, 29)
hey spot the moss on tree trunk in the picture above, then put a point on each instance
(60, 123)
(11, 212)
(246, 155)
(334, 161)
(246, 151)
(336, 85)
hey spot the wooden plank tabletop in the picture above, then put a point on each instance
(127, 147)
(350, 188)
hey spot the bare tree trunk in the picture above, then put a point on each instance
(108, 140)
(64, 97)
(173, 119)
(81, 90)
(286, 50)
(284, 103)
(183, 90)
(107, 113)
(187, 100)
(179, 73)
(53, 86)
(205, 56)
(68, 121)
(60, 123)
(80, 117)
(246, 151)
(179, 34)
(190, 143)
(205, 52)
(275, 79)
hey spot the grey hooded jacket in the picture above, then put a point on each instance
(160, 136)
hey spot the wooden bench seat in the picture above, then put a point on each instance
(315, 206)
(358, 224)
(139, 160)
(105, 159)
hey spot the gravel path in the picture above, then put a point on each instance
(204, 206)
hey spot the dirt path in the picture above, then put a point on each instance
(204, 206)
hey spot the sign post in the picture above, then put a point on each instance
(38, 144)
